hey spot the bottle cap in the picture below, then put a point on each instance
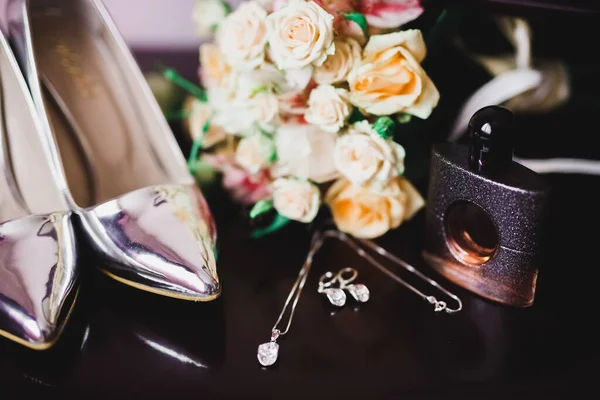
(491, 131)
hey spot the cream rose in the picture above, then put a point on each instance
(200, 116)
(328, 108)
(265, 106)
(300, 34)
(305, 151)
(216, 73)
(361, 155)
(367, 211)
(242, 36)
(207, 15)
(337, 66)
(255, 152)
(296, 199)
(390, 78)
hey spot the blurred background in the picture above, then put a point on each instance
(152, 24)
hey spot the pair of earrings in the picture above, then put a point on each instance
(344, 278)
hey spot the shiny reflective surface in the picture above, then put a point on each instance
(159, 239)
(37, 278)
(139, 344)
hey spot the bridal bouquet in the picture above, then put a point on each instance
(300, 104)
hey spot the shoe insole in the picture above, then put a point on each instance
(104, 148)
(27, 184)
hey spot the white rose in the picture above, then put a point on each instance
(305, 151)
(242, 116)
(300, 34)
(265, 106)
(337, 66)
(267, 76)
(295, 199)
(362, 155)
(255, 152)
(208, 14)
(328, 108)
(242, 36)
(233, 114)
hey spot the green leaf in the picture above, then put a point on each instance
(195, 90)
(356, 116)
(360, 19)
(403, 118)
(446, 26)
(273, 157)
(278, 222)
(226, 6)
(260, 208)
(384, 126)
(206, 127)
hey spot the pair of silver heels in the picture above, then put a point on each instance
(83, 141)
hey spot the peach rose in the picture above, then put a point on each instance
(200, 114)
(368, 212)
(242, 36)
(390, 78)
(216, 73)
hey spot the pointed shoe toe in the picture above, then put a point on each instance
(38, 278)
(160, 239)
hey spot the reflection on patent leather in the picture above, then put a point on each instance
(153, 328)
(55, 366)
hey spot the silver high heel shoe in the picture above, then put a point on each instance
(38, 251)
(129, 183)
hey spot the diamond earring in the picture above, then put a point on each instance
(336, 296)
(357, 290)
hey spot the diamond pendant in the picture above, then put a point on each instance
(337, 297)
(268, 352)
(359, 291)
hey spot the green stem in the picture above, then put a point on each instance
(178, 115)
(196, 146)
(172, 75)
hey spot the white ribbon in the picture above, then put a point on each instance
(521, 88)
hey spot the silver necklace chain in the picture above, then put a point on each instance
(317, 242)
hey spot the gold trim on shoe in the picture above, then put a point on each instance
(43, 346)
(160, 292)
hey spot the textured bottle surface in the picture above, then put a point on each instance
(484, 232)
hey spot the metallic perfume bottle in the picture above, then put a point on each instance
(485, 213)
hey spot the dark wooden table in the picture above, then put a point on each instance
(122, 343)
